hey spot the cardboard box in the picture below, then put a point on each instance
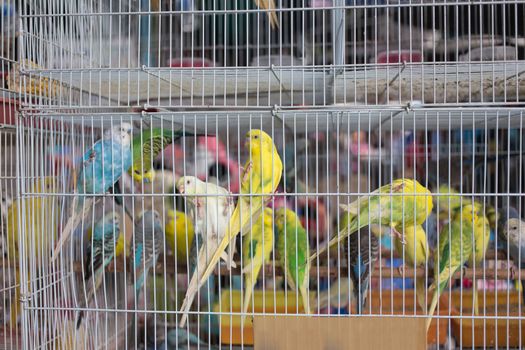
(314, 332)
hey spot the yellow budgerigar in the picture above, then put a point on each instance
(403, 202)
(415, 254)
(455, 248)
(179, 234)
(40, 213)
(256, 250)
(262, 174)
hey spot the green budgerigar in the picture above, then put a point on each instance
(403, 202)
(145, 148)
(293, 249)
(455, 248)
(256, 250)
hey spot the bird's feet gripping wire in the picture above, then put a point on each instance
(396, 233)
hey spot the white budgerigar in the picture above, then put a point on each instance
(211, 215)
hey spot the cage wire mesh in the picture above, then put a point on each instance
(130, 133)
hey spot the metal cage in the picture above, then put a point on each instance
(352, 95)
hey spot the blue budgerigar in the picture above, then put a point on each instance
(100, 253)
(148, 244)
(102, 166)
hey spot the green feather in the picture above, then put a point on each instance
(293, 252)
(147, 146)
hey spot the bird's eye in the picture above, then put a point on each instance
(256, 137)
(188, 182)
(137, 172)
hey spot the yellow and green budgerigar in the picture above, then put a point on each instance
(146, 147)
(262, 174)
(415, 254)
(179, 233)
(481, 244)
(455, 249)
(256, 250)
(41, 214)
(403, 202)
(293, 250)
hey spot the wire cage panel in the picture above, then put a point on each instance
(199, 53)
(324, 113)
(327, 162)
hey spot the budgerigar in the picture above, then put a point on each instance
(481, 244)
(293, 249)
(145, 149)
(179, 234)
(262, 174)
(363, 253)
(100, 253)
(147, 247)
(41, 217)
(101, 168)
(415, 254)
(121, 249)
(410, 203)
(505, 214)
(211, 215)
(257, 247)
(269, 5)
(455, 248)
(514, 234)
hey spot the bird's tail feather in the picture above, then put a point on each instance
(193, 286)
(79, 213)
(248, 291)
(475, 296)
(420, 292)
(432, 308)
(306, 301)
(364, 280)
(269, 5)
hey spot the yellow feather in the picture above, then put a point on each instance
(179, 234)
(40, 215)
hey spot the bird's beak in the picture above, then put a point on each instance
(181, 189)
(247, 142)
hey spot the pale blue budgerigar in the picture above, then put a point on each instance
(514, 232)
(102, 166)
(101, 251)
(148, 244)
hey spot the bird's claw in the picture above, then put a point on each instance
(246, 171)
(399, 235)
(401, 270)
